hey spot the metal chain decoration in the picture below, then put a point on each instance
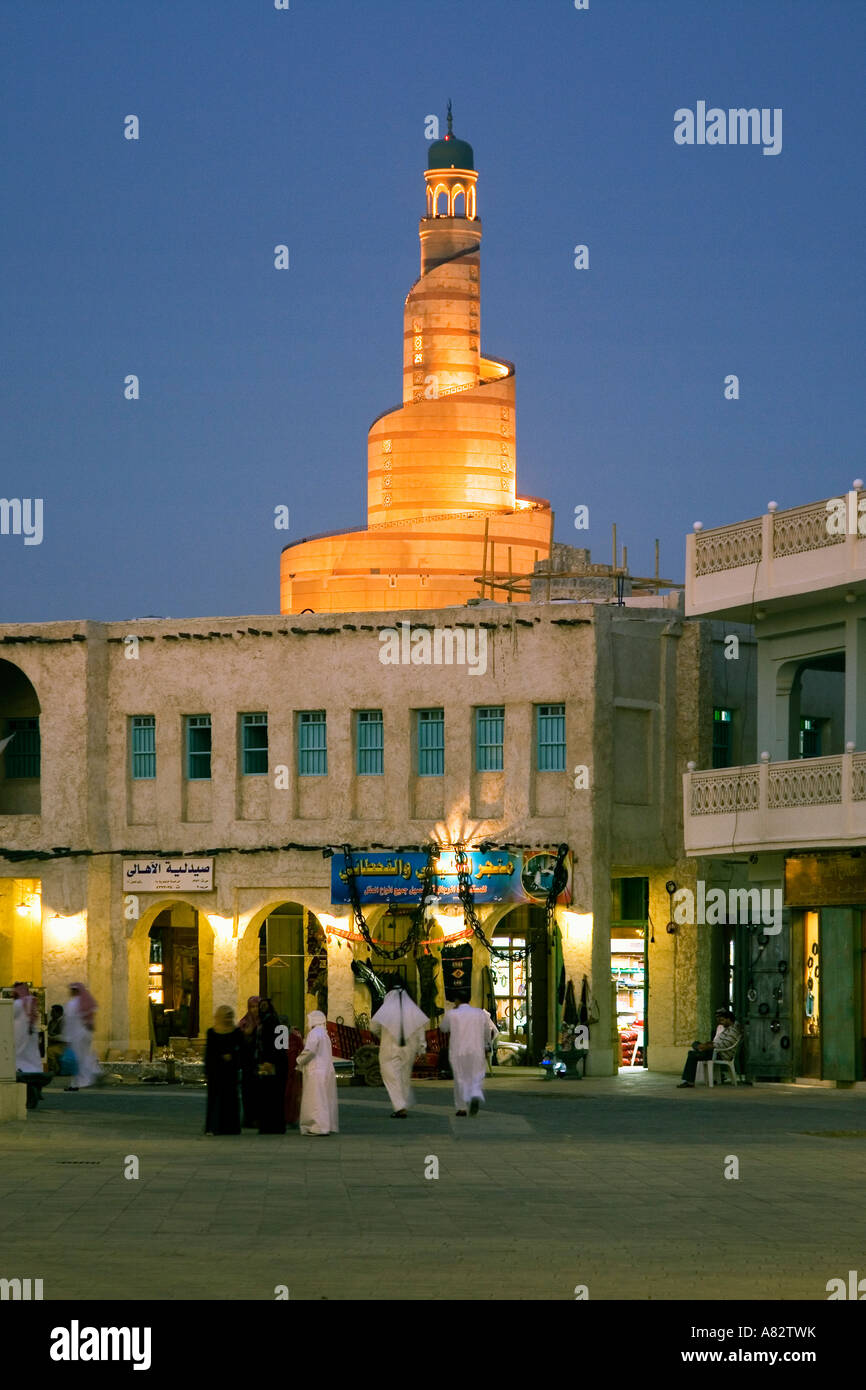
(467, 898)
(418, 929)
(559, 880)
(558, 884)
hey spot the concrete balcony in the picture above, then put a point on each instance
(810, 803)
(787, 559)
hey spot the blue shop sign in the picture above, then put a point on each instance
(497, 877)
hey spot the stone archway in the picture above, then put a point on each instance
(277, 932)
(806, 687)
(522, 985)
(138, 962)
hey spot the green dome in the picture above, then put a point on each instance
(450, 153)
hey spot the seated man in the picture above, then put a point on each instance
(728, 1032)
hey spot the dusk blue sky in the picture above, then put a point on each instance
(306, 127)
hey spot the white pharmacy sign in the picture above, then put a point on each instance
(158, 875)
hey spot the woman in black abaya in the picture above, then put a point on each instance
(222, 1064)
(249, 1081)
(273, 1067)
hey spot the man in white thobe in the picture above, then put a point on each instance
(472, 1032)
(28, 1062)
(26, 1030)
(80, 1019)
(401, 1026)
(319, 1092)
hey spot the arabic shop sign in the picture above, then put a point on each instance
(160, 875)
(497, 877)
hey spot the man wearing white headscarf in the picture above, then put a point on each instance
(26, 1030)
(401, 1025)
(80, 1024)
(28, 1062)
(472, 1032)
(319, 1093)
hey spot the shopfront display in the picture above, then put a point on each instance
(172, 975)
(628, 968)
(811, 1021)
(518, 976)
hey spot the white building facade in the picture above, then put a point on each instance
(794, 815)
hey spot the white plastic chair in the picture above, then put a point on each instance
(704, 1071)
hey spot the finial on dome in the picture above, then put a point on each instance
(450, 152)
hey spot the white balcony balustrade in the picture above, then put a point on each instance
(784, 556)
(809, 803)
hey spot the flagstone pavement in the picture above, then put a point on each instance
(616, 1184)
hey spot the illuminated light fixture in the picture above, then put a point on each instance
(67, 928)
(341, 924)
(578, 926)
(223, 927)
(457, 833)
(23, 908)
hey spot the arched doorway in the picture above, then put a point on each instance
(521, 982)
(176, 962)
(816, 720)
(20, 744)
(282, 959)
(173, 974)
(810, 712)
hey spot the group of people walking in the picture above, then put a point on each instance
(262, 1074)
(401, 1026)
(69, 1034)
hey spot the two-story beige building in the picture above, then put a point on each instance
(171, 789)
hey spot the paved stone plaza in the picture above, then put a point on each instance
(617, 1184)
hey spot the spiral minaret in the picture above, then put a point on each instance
(441, 467)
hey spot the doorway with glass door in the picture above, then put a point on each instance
(628, 966)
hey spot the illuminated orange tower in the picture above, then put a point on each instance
(441, 467)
